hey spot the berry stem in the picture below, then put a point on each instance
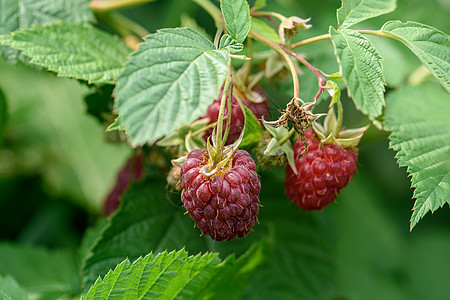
(340, 115)
(109, 5)
(219, 140)
(279, 49)
(287, 137)
(311, 40)
(268, 14)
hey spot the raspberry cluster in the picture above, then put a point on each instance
(321, 173)
(224, 206)
(237, 119)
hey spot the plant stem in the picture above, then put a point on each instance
(340, 115)
(279, 49)
(109, 5)
(287, 137)
(219, 141)
(124, 26)
(310, 40)
(213, 11)
(267, 14)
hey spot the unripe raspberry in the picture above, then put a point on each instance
(321, 173)
(223, 206)
(237, 120)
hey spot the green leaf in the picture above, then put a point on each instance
(3, 113)
(165, 276)
(259, 4)
(237, 18)
(227, 42)
(361, 67)
(233, 275)
(146, 220)
(418, 118)
(429, 44)
(252, 132)
(47, 273)
(168, 82)
(73, 50)
(11, 290)
(262, 28)
(354, 11)
(16, 15)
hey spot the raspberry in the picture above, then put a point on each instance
(237, 120)
(223, 206)
(321, 173)
(134, 170)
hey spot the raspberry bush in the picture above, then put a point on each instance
(226, 149)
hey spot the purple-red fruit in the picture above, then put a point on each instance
(321, 173)
(237, 120)
(133, 170)
(224, 206)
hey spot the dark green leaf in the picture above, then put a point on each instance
(73, 50)
(40, 271)
(237, 18)
(355, 11)
(418, 118)
(362, 69)
(168, 82)
(430, 45)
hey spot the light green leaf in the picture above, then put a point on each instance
(16, 15)
(259, 4)
(73, 50)
(429, 44)
(262, 28)
(227, 42)
(165, 276)
(11, 290)
(355, 11)
(361, 67)
(40, 271)
(252, 132)
(168, 82)
(418, 118)
(237, 18)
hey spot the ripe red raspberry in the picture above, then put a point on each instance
(224, 206)
(237, 120)
(321, 173)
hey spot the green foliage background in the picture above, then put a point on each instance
(56, 167)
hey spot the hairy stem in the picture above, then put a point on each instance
(279, 49)
(109, 5)
(213, 11)
(287, 137)
(223, 100)
(311, 40)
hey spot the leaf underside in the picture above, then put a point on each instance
(73, 50)
(168, 82)
(418, 118)
(354, 11)
(429, 44)
(362, 69)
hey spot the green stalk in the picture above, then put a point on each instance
(124, 26)
(287, 137)
(219, 140)
(213, 11)
(101, 6)
(340, 116)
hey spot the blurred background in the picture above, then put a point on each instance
(57, 166)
